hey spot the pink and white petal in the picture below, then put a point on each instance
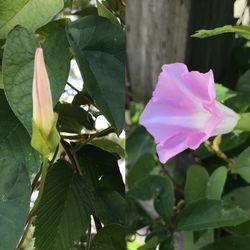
(228, 119)
(201, 85)
(170, 91)
(163, 121)
(175, 68)
(194, 140)
(171, 147)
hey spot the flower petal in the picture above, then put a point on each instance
(171, 147)
(201, 85)
(228, 120)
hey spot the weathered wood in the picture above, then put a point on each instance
(156, 34)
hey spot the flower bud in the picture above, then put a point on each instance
(45, 137)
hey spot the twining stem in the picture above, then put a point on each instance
(72, 157)
(88, 237)
(33, 210)
(24, 234)
(37, 177)
(74, 88)
(98, 224)
(91, 137)
(41, 188)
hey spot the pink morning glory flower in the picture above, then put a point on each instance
(43, 114)
(183, 111)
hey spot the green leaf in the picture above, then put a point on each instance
(216, 183)
(64, 212)
(243, 85)
(15, 194)
(1, 80)
(18, 65)
(158, 188)
(99, 49)
(109, 206)
(151, 244)
(196, 188)
(238, 197)
(242, 229)
(136, 216)
(141, 169)
(109, 145)
(31, 14)
(242, 165)
(111, 237)
(138, 143)
(105, 12)
(72, 119)
(207, 214)
(223, 93)
(57, 59)
(102, 171)
(229, 243)
(239, 103)
(243, 31)
(15, 140)
(101, 168)
(196, 240)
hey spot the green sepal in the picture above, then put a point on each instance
(42, 143)
(244, 122)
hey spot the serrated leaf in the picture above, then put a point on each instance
(15, 194)
(102, 168)
(242, 165)
(111, 237)
(99, 49)
(158, 188)
(243, 31)
(207, 214)
(195, 188)
(229, 243)
(64, 211)
(109, 206)
(18, 66)
(15, 140)
(21, 13)
(102, 171)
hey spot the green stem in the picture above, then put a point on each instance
(244, 122)
(88, 237)
(91, 137)
(41, 188)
